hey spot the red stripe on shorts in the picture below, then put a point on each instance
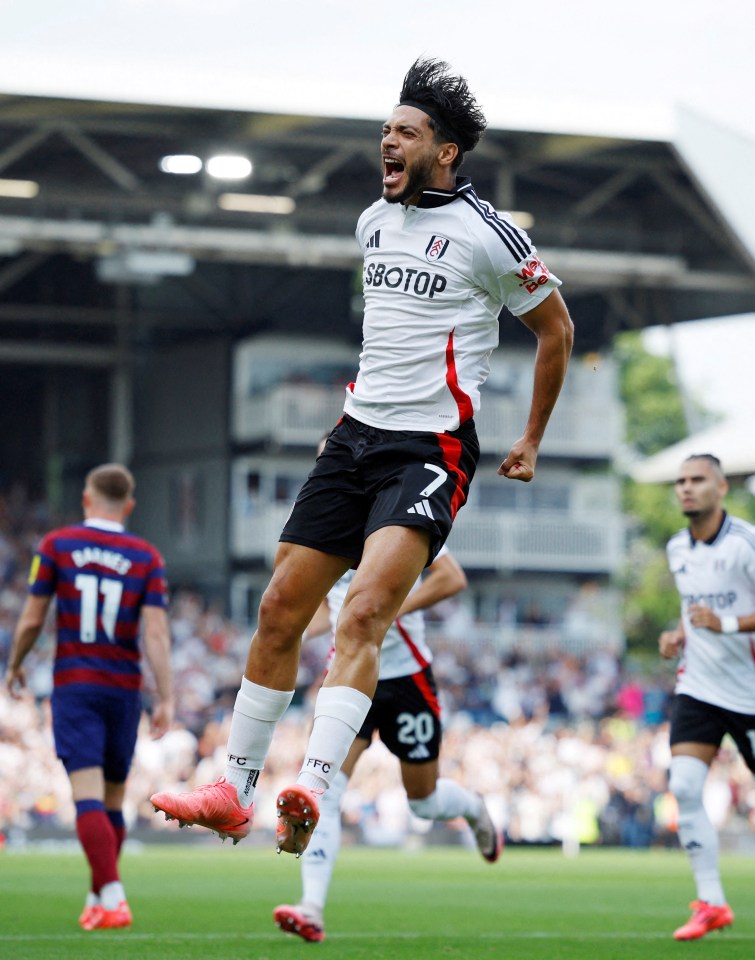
(451, 449)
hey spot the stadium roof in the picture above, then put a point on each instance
(642, 232)
(732, 441)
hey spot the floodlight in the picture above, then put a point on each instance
(22, 189)
(522, 218)
(228, 167)
(181, 163)
(256, 203)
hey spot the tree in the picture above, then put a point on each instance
(654, 418)
(653, 407)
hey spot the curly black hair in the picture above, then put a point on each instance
(454, 113)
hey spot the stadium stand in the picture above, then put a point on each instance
(597, 775)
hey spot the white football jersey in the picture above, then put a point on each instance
(404, 650)
(436, 276)
(714, 667)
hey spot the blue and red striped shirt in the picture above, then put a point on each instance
(101, 577)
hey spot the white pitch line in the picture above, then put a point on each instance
(127, 935)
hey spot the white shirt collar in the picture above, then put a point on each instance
(112, 525)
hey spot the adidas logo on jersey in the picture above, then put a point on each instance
(422, 507)
(420, 752)
(374, 241)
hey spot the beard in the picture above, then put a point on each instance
(417, 179)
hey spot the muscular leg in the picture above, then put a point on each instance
(301, 578)
(393, 558)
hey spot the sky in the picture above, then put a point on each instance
(715, 361)
(583, 66)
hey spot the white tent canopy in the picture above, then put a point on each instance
(732, 441)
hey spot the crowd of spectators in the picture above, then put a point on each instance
(568, 749)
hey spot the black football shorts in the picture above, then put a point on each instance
(367, 478)
(694, 721)
(406, 714)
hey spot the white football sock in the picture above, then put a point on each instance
(448, 801)
(112, 894)
(697, 834)
(255, 714)
(320, 856)
(339, 715)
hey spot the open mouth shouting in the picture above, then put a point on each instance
(394, 170)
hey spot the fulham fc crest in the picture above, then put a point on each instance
(436, 248)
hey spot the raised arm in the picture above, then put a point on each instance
(551, 324)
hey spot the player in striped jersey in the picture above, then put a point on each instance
(439, 266)
(105, 582)
(406, 714)
(713, 564)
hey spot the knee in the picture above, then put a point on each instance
(361, 619)
(426, 807)
(687, 780)
(278, 620)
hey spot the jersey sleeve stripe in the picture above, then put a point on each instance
(512, 238)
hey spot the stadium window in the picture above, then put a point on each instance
(548, 498)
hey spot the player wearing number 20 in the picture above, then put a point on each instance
(105, 581)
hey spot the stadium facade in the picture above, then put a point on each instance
(202, 329)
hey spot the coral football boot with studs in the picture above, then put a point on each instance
(298, 814)
(301, 920)
(102, 919)
(705, 917)
(214, 806)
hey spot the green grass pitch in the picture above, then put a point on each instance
(210, 902)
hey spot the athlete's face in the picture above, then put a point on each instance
(412, 157)
(700, 488)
